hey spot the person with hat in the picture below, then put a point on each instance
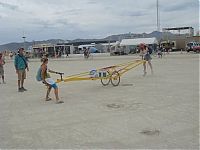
(144, 50)
(2, 62)
(21, 65)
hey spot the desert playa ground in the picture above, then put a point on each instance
(159, 111)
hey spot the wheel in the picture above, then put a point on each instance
(115, 78)
(105, 81)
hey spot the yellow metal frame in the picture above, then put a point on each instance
(119, 69)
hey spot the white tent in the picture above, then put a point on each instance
(127, 42)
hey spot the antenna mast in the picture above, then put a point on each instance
(158, 16)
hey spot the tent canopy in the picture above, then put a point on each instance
(138, 41)
(93, 50)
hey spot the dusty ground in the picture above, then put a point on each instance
(157, 111)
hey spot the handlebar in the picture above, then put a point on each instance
(61, 74)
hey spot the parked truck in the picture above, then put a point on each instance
(193, 46)
(175, 44)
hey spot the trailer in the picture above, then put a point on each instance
(106, 75)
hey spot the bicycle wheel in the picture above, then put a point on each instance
(106, 80)
(115, 78)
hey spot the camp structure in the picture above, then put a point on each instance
(130, 45)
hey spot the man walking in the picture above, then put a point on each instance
(21, 65)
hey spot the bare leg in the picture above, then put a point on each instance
(57, 98)
(149, 62)
(3, 79)
(145, 72)
(18, 84)
(22, 83)
(56, 94)
(48, 92)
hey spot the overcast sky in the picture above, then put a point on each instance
(71, 19)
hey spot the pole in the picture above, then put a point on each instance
(24, 41)
(158, 17)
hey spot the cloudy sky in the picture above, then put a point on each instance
(71, 19)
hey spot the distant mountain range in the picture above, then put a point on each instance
(119, 37)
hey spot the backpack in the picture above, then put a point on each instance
(150, 50)
(39, 76)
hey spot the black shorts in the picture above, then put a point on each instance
(147, 57)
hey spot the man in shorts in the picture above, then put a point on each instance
(2, 62)
(21, 65)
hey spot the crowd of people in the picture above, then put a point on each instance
(21, 67)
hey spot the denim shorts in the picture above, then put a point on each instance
(54, 86)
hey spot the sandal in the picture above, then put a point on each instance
(59, 102)
(145, 73)
(48, 99)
